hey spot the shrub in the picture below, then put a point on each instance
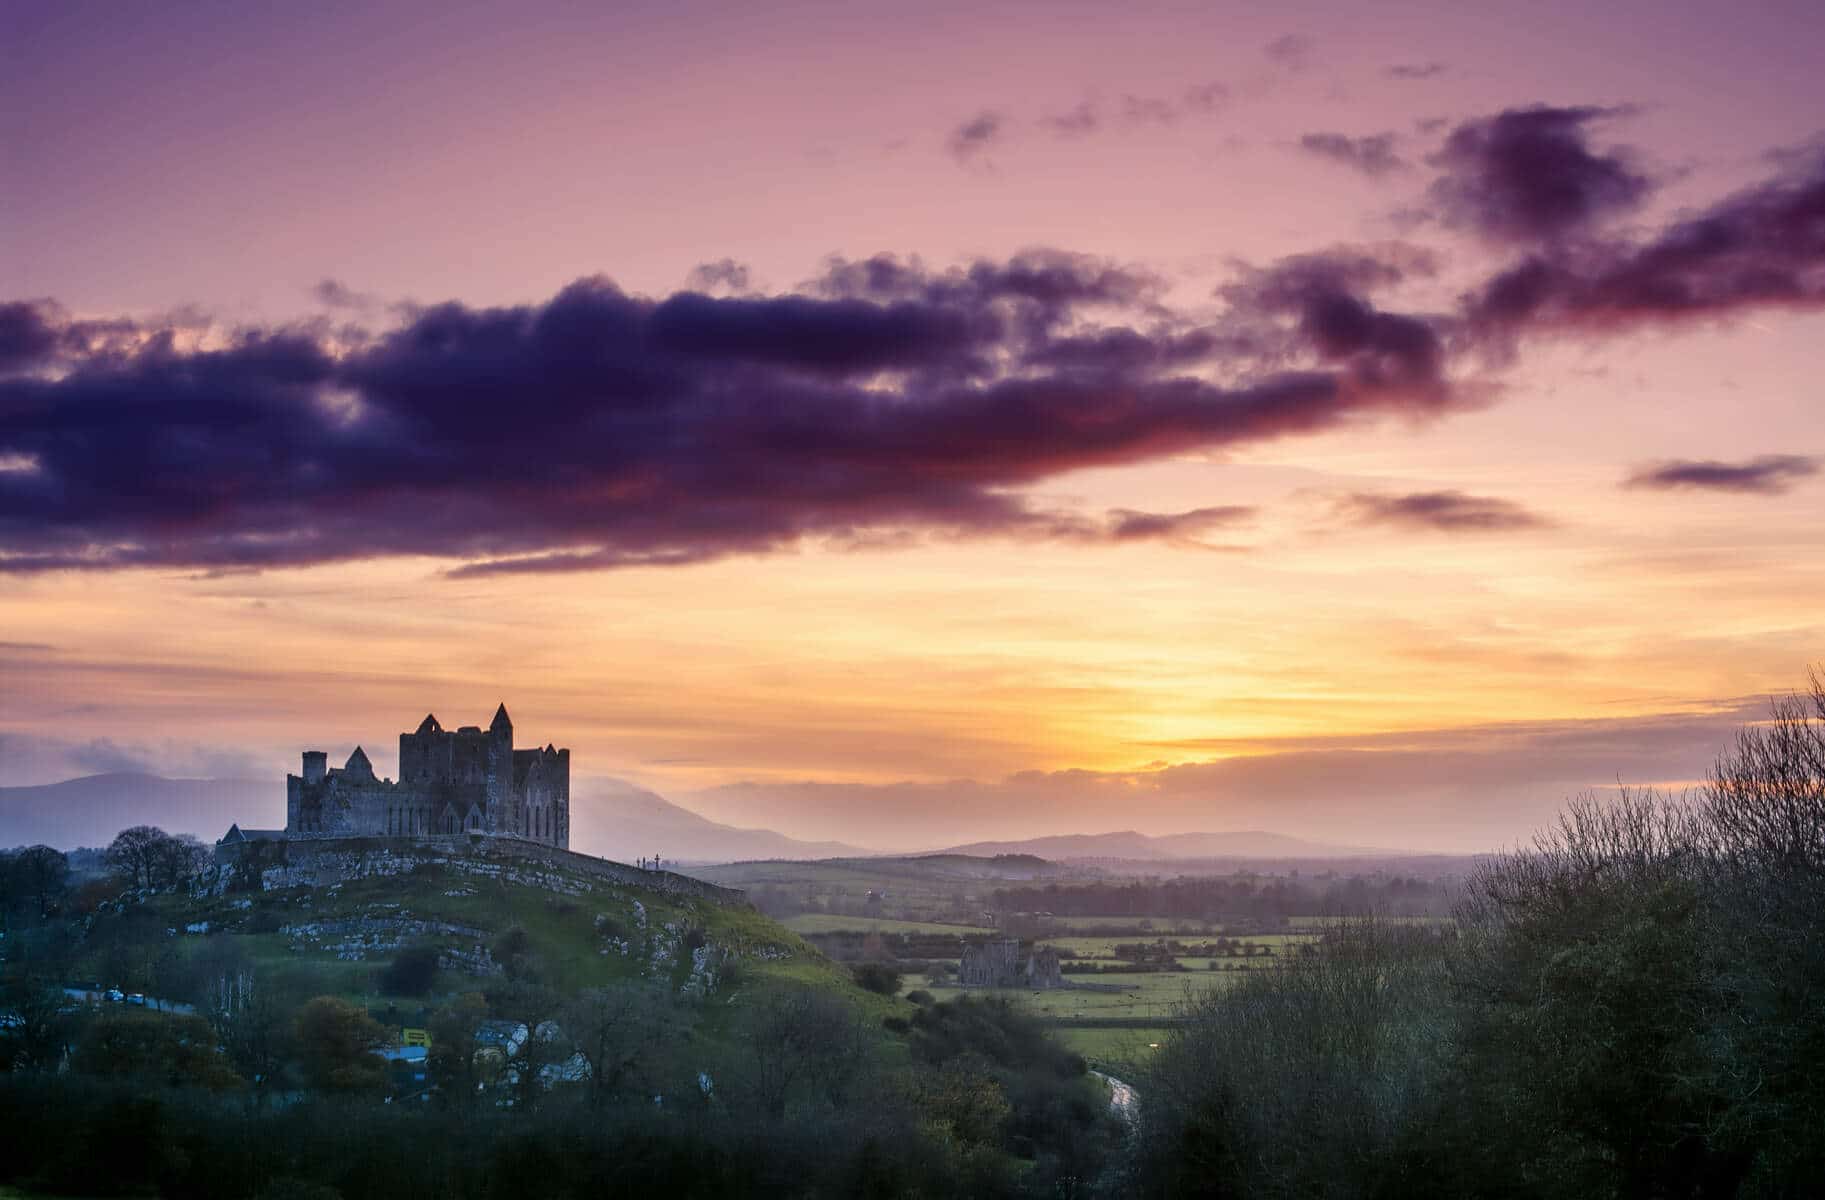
(411, 972)
(878, 978)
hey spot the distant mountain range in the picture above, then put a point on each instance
(1131, 845)
(610, 817)
(89, 811)
(615, 819)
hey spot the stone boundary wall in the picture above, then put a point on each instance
(321, 861)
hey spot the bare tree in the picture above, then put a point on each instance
(179, 857)
(616, 1030)
(802, 1041)
(40, 874)
(134, 854)
(1762, 812)
(249, 1027)
(39, 1030)
(148, 857)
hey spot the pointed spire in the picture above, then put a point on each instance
(429, 724)
(358, 763)
(501, 719)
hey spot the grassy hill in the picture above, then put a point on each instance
(569, 932)
(664, 1028)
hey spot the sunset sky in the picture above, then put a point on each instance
(908, 424)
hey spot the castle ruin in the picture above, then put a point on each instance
(996, 963)
(469, 780)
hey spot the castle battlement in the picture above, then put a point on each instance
(470, 780)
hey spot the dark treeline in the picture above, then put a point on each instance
(967, 1098)
(1633, 1009)
(1233, 897)
(79, 1137)
(273, 1089)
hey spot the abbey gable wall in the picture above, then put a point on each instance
(467, 780)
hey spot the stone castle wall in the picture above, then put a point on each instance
(467, 780)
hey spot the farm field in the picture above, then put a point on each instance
(1113, 1048)
(805, 923)
(1143, 997)
(1100, 946)
(1315, 923)
(1153, 926)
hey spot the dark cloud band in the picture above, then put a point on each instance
(602, 430)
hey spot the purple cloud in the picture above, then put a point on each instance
(1077, 122)
(1292, 51)
(1128, 525)
(725, 273)
(1529, 174)
(1373, 155)
(333, 293)
(1761, 248)
(27, 334)
(1770, 474)
(601, 430)
(1446, 511)
(971, 139)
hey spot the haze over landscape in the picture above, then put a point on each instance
(1324, 420)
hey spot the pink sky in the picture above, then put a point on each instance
(204, 168)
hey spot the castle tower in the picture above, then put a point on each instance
(499, 815)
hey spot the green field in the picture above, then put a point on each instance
(1323, 922)
(805, 923)
(1159, 926)
(1153, 996)
(1113, 1049)
(1104, 947)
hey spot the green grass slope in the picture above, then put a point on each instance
(338, 940)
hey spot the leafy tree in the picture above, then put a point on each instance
(411, 973)
(175, 1050)
(877, 977)
(338, 1042)
(513, 949)
(964, 1101)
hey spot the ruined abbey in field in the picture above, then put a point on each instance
(470, 780)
